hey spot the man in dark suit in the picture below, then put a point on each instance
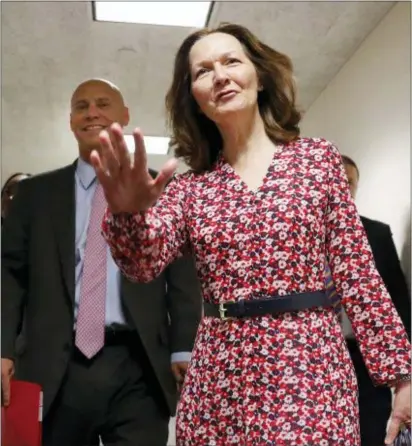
(106, 351)
(374, 402)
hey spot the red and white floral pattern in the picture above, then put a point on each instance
(273, 380)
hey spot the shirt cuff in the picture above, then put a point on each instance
(181, 357)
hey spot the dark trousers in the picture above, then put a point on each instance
(108, 396)
(374, 402)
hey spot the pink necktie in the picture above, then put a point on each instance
(91, 313)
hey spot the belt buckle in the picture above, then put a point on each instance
(222, 310)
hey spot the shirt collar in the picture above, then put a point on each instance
(85, 173)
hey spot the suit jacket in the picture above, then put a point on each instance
(388, 265)
(38, 278)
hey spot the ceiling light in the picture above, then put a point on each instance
(155, 145)
(186, 14)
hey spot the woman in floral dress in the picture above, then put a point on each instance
(262, 210)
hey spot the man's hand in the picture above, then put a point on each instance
(179, 370)
(7, 371)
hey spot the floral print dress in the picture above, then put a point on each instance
(279, 379)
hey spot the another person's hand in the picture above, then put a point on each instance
(179, 370)
(401, 413)
(7, 372)
(127, 184)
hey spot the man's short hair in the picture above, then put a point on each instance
(349, 161)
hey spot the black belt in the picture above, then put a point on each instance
(267, 305)
(115, 335)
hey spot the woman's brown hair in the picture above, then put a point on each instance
(195, 138)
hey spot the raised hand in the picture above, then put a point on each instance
(127, 184)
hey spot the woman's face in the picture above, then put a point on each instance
(224, 80)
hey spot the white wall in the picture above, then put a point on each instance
(365, 110)
(48, 48)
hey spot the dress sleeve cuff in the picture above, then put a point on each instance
(403, 379)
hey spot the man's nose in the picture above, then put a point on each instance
(92, 111)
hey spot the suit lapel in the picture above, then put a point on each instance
(64, 221)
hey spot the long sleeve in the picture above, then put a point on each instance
(377, 326)
(144, 244)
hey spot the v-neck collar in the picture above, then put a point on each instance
(235, 180)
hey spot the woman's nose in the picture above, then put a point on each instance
(220, 74)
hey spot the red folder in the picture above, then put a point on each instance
(21, 420)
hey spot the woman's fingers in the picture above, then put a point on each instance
(393, 430)
(96, 161)
(129, 187)
(120, 148)
(108, 156)
(140, 157)
(165, 175)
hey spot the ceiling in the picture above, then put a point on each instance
(50, 47)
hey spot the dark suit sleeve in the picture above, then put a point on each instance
(14, 269)
(394, 278)
(184, 303)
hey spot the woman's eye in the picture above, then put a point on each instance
(200, 72)
(232, 61)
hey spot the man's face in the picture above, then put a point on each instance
(95, 105)
(353, 179)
